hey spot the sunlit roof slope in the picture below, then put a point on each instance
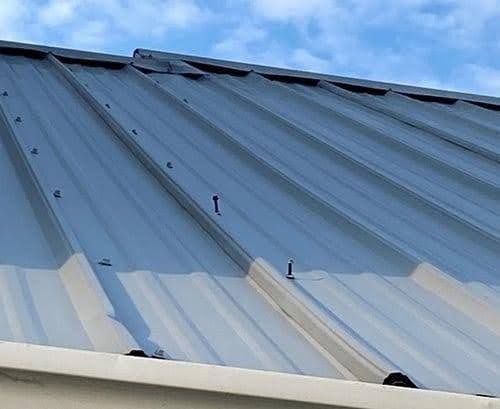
(158, 202)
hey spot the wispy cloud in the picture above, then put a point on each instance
(486, 79)
(297, 10)
(96, 23)
(13, 14)
(303, 59)
(250, 42)
(89, 34)
(440, 43)
(421, 42)
(58, 12)
(238, 41)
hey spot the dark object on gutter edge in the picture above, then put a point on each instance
(399, 379)
(160, 354)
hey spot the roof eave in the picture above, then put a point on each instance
(46, 376)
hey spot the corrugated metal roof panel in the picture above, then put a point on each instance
(379, 87)
(388, 206)
(170, 285)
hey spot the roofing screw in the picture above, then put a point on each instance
(289, 273)
(105, 262)
(215, 198)
(5, 94)
(18, 119)
(107, 106)
(134, 131)
(34, 151)
(169, 165)
(57, 194)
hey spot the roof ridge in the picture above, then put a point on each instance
(243, 68)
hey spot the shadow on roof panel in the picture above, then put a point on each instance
(174, 290)
(392, 225)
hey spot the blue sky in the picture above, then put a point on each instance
(452, 44)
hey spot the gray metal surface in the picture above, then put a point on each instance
(389, 207)
(284, 73)
(170, 285)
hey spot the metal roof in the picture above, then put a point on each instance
(386, 197)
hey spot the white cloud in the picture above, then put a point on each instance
(250, 43)
(89, 34)
(393, 40)
(13, 14)
(58, 12)
(97, 23)
(303, 59)
(483, 79)
(292, 9)
(182, 13)
(153, 17)
(333, 38)
(238, 40)
(461, 23)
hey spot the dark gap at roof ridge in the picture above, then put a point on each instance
(240, 68)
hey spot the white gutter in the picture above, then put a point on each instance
(33, 376)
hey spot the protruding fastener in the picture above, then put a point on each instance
(105, 262)
(289, 272)
(170, 165)
(215, 198)
(107, 106)
(57, 194)
(5, 94)
(18, 119)
(34, 151)
(185, 100)
(134, 131)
